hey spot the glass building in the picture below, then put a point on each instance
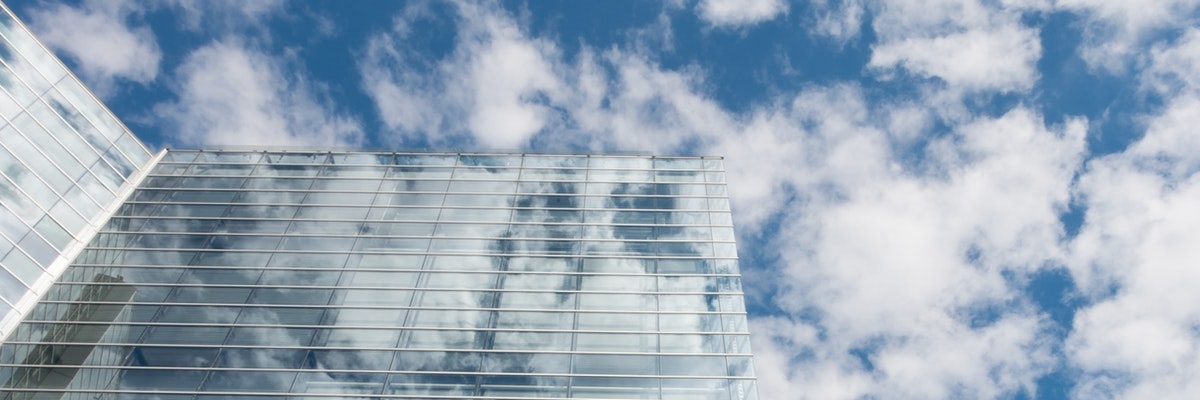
(65, 163)
(272, 273)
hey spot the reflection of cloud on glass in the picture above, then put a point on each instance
(436, 267)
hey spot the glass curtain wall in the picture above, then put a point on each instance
(63, 161)
(396, 275)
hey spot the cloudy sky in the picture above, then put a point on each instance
(934, 199)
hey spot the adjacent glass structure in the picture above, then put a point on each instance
(65, 162)
(271, 274)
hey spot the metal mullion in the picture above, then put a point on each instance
(60, 197)
(411, 221)
(112, 143)
(375, 348)
(348, 205)
(657, 302)
(70, 153)
(269, 190)
(278, 394)
(343, 235)
(489, 338)
(422, 276)
(334, 291)
(369, 371)
(373, 307)
(21, 191)
(17, 247)
(463, 271)
(376, 327)
(385, 288)
(179, 279)
(470, 179)
(529, 255)
(278, 246)
(587, 174)
(99, 153)
(45, 210)
(69, 75)
(26, 164)
(195, 257)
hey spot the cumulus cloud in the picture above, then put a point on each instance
(972, 46)
(893, 266)
(733, 13)
(105, 39)
(1134, 257)
(229, 93)
(498, 80)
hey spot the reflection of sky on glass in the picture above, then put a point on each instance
(63, 159)
(304, 273)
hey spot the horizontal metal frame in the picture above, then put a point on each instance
(405, 206)
(415, 253)
(388, 288)
(418, 308)
(371, 236)
(381, 348)
(386, 192)
(575, 272)
(381, 328)
(347, 395)
(438, 166)
(417, 221)
(378, 371)
(278, 149)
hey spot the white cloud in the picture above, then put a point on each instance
(972, 46)
(228, 93)
(970, 59)
(104, 39)
(732, 13)
(1117, 30)
(900, 261)
(495, 87)
(1134, 257)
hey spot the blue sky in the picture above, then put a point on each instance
(934, 199)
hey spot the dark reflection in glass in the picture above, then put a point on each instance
(249, 381)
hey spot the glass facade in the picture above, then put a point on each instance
(64, 163)
(271, 274)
